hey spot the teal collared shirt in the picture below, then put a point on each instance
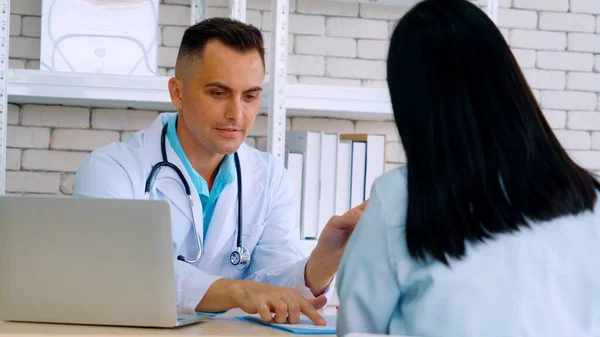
(225, 175)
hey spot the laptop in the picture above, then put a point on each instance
(88, 261)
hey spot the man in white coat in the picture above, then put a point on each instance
(216, 89)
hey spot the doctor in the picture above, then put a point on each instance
(233, 224)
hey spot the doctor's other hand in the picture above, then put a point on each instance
(265, 299)
(325, 258)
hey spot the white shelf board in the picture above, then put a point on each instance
(338, 102)
(82, 89)
(150, 93)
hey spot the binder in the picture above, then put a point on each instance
(367, 150)
(343, 179)
(327, 191)
(309, 144)
(295, 165)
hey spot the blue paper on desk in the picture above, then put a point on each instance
(304, 327)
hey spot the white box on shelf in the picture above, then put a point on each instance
(100, 36)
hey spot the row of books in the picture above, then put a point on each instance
(332, 173)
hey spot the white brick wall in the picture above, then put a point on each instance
(564, 100)
(583, 81)
(567, 22)
(525, 57)
(373, 49)
(357, 28)
(583, 120)
(551, 5)
(585, 6)
(55, 116)
(516, 18)
(545, 79)
(385, 12)
(565, 61)
(352, 68)
(574, 140)
(64, 139)
(556, 42)
(326, 46)
(584, 42)
(556, 119)
(540, 40)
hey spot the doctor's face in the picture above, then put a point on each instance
(218, 96)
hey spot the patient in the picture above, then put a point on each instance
(491, 229)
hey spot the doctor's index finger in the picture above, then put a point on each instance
(309, 311)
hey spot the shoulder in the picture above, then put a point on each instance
(390, 194)
(110, 168)
(118, 154)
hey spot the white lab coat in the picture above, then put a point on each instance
(119, 170)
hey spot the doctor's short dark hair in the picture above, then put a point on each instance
(481, 158)
(235, 34)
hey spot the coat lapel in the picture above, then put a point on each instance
(223, 226)
(167, 181)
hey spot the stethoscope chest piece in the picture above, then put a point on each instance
(240, 258)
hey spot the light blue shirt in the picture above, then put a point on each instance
(542, 282)
(225, 175)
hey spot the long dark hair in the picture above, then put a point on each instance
(481, 157)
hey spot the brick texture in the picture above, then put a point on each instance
(113, 119)
(326, 46)
(515, 18)
(28, 137)
(357, 28)
(551, 5)
(585, 6)
(32, 182)
(565, 61)
(539, 40)
(567, 22)
(543, 79)
(65, 139)
(13, 114)
(569, 100)
(49, 160)
(584, 120)
(352, 68)
(556, 42)
(55, 116)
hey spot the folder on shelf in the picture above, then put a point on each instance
(309, 144)
(305, 327)
(327, 192)
(343, 179)
(368, 163)
(294, 163)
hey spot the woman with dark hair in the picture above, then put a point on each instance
(490, 229)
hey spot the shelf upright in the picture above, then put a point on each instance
(278, 78)
(237, 10)
(198, 12)
(4, 44)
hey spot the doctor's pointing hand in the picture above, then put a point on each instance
(235, 238)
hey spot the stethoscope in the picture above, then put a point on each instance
(239, 258)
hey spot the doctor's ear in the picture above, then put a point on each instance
(175, 88)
